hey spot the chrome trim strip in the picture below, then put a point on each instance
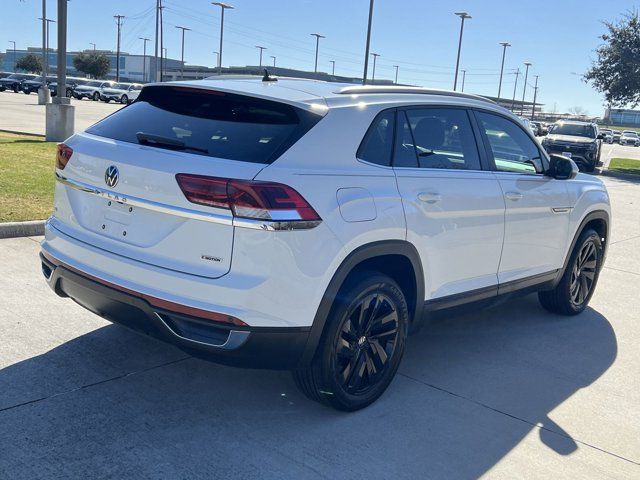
(235, 339)
(561, 209)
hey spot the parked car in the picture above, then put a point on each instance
(544, 128)
(14, 81)
(34, 84)
(608, 135)
(629, 137)
(527, 123)
(579, 141)
(535, 127)
(5, 74)
(72, 83)
(91, 89)
(616, 136)
(120, 92)
(310, 226)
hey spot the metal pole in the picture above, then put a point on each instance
(515, 86)
(119, 23)
(524, 88)
(535, 98)
(94, 46)
(144, 58)
(62, 50)
(504, 53)
(464, 76)
(155, 52)
(396, 67)
(182, 55)
(333, 66)
(217, 54)
(366, 49)
(373, 75)
(318, 37)
(223, 7)
(164, 58)
(162, 49)
(463, 16)
(44, 40)
(14, 54)
(274, 60)
(261, 49)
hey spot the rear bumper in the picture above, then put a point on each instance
(252, 347)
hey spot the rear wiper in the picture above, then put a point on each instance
(165, 142)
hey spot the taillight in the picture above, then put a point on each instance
(63, 155)
(247, 198)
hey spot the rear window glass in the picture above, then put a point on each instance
(206, 122)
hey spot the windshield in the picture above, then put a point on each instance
(574, 129)
(121, 86)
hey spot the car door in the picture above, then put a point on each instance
(454, 209)
(537, 206)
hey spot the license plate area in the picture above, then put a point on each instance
(118, 221)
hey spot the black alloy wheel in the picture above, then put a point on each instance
(583, 273)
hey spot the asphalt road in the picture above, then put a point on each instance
(510, 392)
(21, 113)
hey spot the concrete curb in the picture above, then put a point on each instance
(26, 134)
(620, 175)
(22, 229)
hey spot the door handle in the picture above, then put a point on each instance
(514, 196)
(429, 197)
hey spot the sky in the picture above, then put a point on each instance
(558, 37)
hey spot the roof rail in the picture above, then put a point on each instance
(367, 89)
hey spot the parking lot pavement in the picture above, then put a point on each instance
(21, 113)
(510, 392)
(615, 150)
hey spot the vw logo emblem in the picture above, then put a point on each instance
(111, 176)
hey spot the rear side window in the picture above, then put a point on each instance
(207, 122)
(378, 142)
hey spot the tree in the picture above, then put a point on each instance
(95, 65)
(30, 63)
(616, 71)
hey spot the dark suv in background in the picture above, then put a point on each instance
(14, 81)
(34, 84)
(579, 141)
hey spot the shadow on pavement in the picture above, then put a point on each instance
(470, 387)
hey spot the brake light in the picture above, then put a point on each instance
(248, 198)
(63, 155)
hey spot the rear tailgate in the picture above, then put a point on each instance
(120, 193)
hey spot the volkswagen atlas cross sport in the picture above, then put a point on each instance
(310, 226)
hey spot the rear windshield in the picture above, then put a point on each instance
(206, 122)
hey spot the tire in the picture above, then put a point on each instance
(124, 99)
(26, 92)
(569, 296)
(15, 89)
(106, 100)
(590, 168)
(96, 96)
(371, 346)
(69, 93)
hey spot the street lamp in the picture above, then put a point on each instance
(367, 44)
(504, 53)
(333, 66)
(182, 54)
(524, 88)
(396, 67)
(318, 37)
(261, 49)
(217, 54)
(373, 75)
(223, 7)
(463, 16)
(535, 98)
(464, 76)
(144, 57)
(14, 54)
(94, 46)
(274, 60)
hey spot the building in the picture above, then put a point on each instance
(622, 117)
(132, 67)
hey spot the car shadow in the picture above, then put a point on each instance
(471, 386)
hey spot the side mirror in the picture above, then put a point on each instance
(600, 136)
(562, 168)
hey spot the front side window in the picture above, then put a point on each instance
(442, 138)
(378, 142)
(513, 150)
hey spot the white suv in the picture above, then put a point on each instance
(309, 226)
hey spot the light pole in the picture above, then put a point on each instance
(504, 53)
(94, 46)
(524, 88)
(14, 54)
(373, 74)
(464, 76)
(119, 23)
(217, 54)
(223, 7)
(463, 16)
(144, 58)
(46, 44)
(261, 49)
(535, 98)
(184, 29)
(515, 86)
(396, 67)
(366, 48)
(318, 37)
(163, 64)
(333, 66)
(274, 60)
